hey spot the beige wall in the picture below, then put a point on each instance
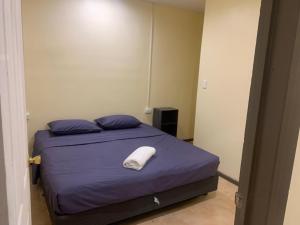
(229, 38)
(292, 211)
(176, 54)
(87, 58)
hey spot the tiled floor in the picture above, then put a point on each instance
(214, 209)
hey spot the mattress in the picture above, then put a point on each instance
(84, 172)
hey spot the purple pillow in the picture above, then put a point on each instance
(118, 122)
(69, 127)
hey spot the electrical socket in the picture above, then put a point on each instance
(28, 115)
(148, 110)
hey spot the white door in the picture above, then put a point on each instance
(13, 110)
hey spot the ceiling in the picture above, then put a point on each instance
(197, 5)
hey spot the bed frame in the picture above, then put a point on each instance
(121, 211)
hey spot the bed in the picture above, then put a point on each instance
(85, 183)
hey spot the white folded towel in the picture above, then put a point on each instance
(138, 159)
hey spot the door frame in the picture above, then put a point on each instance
(3, 196)
(13, 115)
(273, 117)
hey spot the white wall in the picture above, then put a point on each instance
(292, 214)
(88, 58)
(228, 46)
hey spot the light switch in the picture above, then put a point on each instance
(204, 84)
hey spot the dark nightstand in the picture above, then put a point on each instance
(166, 119)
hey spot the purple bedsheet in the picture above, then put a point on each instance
(83, 172)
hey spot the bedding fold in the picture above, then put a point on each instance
(138, 159)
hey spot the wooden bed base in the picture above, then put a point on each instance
(121, 211)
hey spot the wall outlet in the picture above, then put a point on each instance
(148, 110)
(28, 115)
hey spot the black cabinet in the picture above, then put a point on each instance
(166, 119)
